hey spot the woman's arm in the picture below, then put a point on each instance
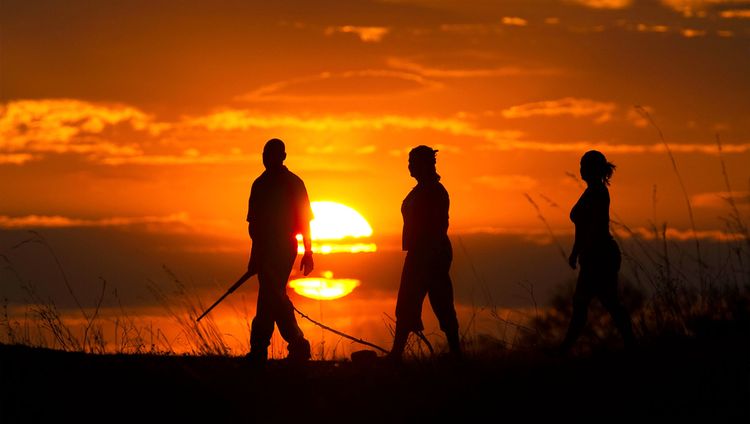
(573, 256)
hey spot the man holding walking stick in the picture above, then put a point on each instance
(278, 210)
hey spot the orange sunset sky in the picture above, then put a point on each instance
(152, 115)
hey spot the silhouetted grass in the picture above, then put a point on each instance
(46, 315)
(184, 306)
(44, 325)
(510, 324)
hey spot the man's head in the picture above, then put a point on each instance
(274, 153)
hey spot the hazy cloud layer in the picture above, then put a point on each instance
(721, 199)
(690, 8)
(736, 14)
(599, 111)
(368, 34)
(56, 221)
(118, 135)
(603, 4)
(28, 127)
(499, 71)
(342, 85)
(15, 158)
(681, 234)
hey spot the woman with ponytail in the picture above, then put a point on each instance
(596, 251)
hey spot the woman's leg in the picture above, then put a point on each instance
(411, 294)
(441, 299)
(611, 302)
(581, 300)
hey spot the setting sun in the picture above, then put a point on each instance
(324, 287)
(334, 223)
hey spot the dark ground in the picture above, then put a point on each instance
(682, 379)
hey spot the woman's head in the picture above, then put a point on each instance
(422, 162)
(596, 168)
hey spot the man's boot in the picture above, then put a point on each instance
(454, 344)
(299, 351)
(258, 356)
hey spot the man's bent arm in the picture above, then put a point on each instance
(306, 264)
(306, 239)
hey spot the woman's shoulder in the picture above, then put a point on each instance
(592, 195)
(597, 191)
(440, 191)
(430, 187)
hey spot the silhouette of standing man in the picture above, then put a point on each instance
(278, 210)
(428, 258)
(596, 251)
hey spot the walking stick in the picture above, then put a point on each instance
(246, 276)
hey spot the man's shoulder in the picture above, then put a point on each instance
(280, 178)
(291, 174)
(260, 178)
(292, 177)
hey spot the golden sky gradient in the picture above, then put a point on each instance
(141, 110)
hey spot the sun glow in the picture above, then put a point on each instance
(334, 223)
(324, 287)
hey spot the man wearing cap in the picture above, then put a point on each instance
(278, 210)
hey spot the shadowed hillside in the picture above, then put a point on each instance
(700, 378)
